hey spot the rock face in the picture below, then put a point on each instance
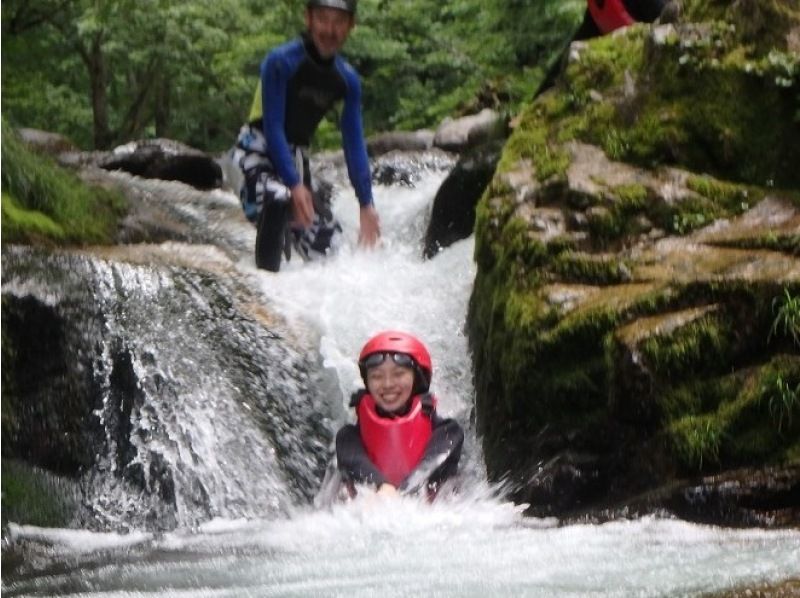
(460, 134)
(406, 141)
(167, 160)
(634, 319)
(453, 213)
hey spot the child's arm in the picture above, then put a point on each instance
(441, 457)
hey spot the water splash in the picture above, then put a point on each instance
(471, 543)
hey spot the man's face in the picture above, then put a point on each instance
(329, 28)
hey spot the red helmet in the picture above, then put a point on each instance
(393, 341)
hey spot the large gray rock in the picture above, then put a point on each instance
(407, 141)
(45, 141)
(457, 135)
(167, 160)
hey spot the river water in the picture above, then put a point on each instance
(469, 543)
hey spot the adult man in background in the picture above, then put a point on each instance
(300, 82)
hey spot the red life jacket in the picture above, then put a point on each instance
(396, 444)
(609, 15)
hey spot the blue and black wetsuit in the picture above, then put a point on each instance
(298, 87)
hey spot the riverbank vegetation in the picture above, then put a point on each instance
(187, 70)
(46, 203)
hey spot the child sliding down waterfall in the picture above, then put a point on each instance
(399, 443)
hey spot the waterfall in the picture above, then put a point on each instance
(238, 379)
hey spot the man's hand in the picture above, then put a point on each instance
(302, 206)
(370, 230)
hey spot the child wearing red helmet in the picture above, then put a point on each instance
(399, 442)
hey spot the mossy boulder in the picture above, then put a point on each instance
(635, 319)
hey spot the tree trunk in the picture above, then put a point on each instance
(98, 88)
(146, 84)
(162, 107)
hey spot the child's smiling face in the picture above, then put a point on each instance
(390, 385)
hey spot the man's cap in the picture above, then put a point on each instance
(346, 5)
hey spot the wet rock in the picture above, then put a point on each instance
(564, 484)
(765, 497)
(94, 390)
(167, 160)
(46, 141)
(457, 135)
(453, 212)
(405, 141)
(634, 256)
(49, 392)
(404, 168)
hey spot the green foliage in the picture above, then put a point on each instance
(187, 70)
(43, 201)
(787, 316)
(784, 401)
(698, 440)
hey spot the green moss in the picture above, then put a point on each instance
(578, 267)
(35, 497)
(531, 143)
(734, 198)
(715, 199)
(603, 64)
(618, 219)
(703, 345)
(692, 106)
(631, 197)
(581, 332)
(752, 417)
(19, 223)
(770, 241)
(698, 396)
(761, 24)
(690, 215)
(522, 253)
(709, 118)
(44, 201)
(566, 393)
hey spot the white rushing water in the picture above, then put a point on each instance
(470, 544)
